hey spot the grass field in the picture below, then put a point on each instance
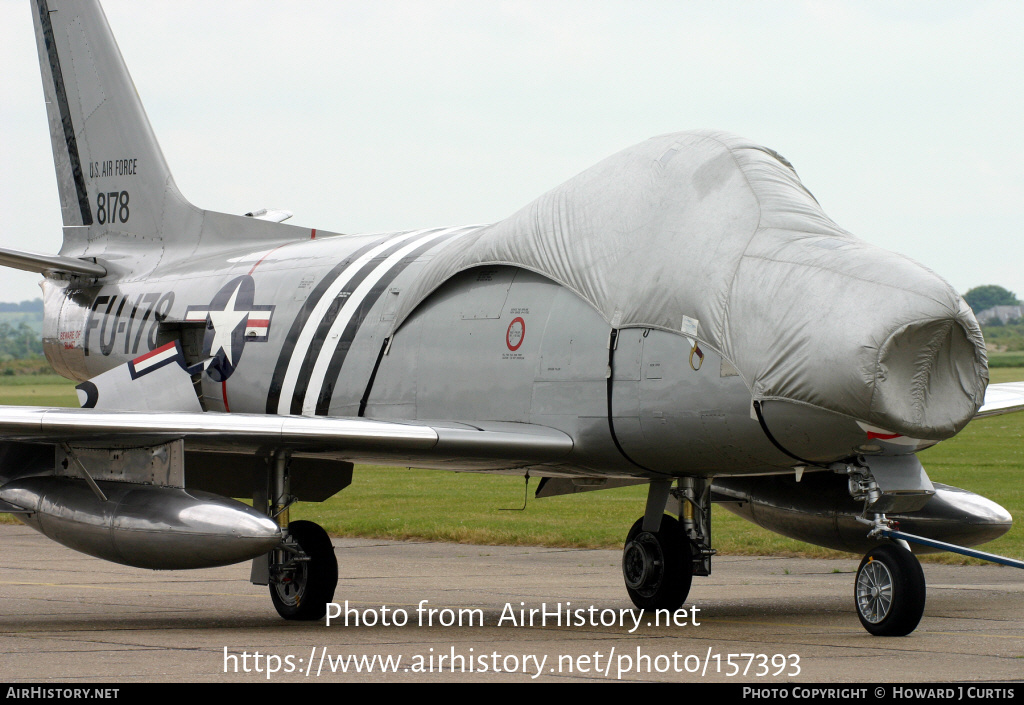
(987, 458)
(1005, 359)
(37, 390)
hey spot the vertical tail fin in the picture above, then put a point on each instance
(114, 183)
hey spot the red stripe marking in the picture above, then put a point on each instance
(265, 256)
(260, 323)
(883, 436)
(224, 393)
(161, 349)
(312, 235)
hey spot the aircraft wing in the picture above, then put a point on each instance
(1004, 398)
(467, 445)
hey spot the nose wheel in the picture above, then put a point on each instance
(890, 591)
(657, 566)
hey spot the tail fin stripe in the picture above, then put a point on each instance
(65, 113)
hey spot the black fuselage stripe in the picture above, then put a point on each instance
(323, 329)
(323, 402)
(610, 391)
(65, 113)
(373, 376)
(288, 348)
(764, 427)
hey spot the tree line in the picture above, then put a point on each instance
(19, 342)
(18, 339)
(982, 298)
(33, 306)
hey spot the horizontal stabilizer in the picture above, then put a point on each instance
(50, 265)
(1004, 398)
(160, 380)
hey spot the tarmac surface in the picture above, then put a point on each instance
(69, 618)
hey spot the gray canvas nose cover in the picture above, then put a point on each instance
(862, 332)
(708, 232)
(927, 376)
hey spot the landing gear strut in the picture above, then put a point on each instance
(662, 554)
(889, 592)
(303, 570)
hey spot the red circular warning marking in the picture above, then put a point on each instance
(515, 333)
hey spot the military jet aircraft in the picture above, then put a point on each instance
(681, 315)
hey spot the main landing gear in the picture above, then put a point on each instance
(302, 572)
(303, 583)
(657, 565)
(661, 554)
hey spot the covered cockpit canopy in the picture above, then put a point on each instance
(708, 232)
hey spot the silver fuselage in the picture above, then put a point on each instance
(494, 344)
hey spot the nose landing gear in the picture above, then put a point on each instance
(890, 591)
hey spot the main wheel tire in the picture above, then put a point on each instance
(890, 591)
(657, 566)
(304, 596)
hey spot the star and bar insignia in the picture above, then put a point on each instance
(232, 319)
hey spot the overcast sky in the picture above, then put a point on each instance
(904, 119)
